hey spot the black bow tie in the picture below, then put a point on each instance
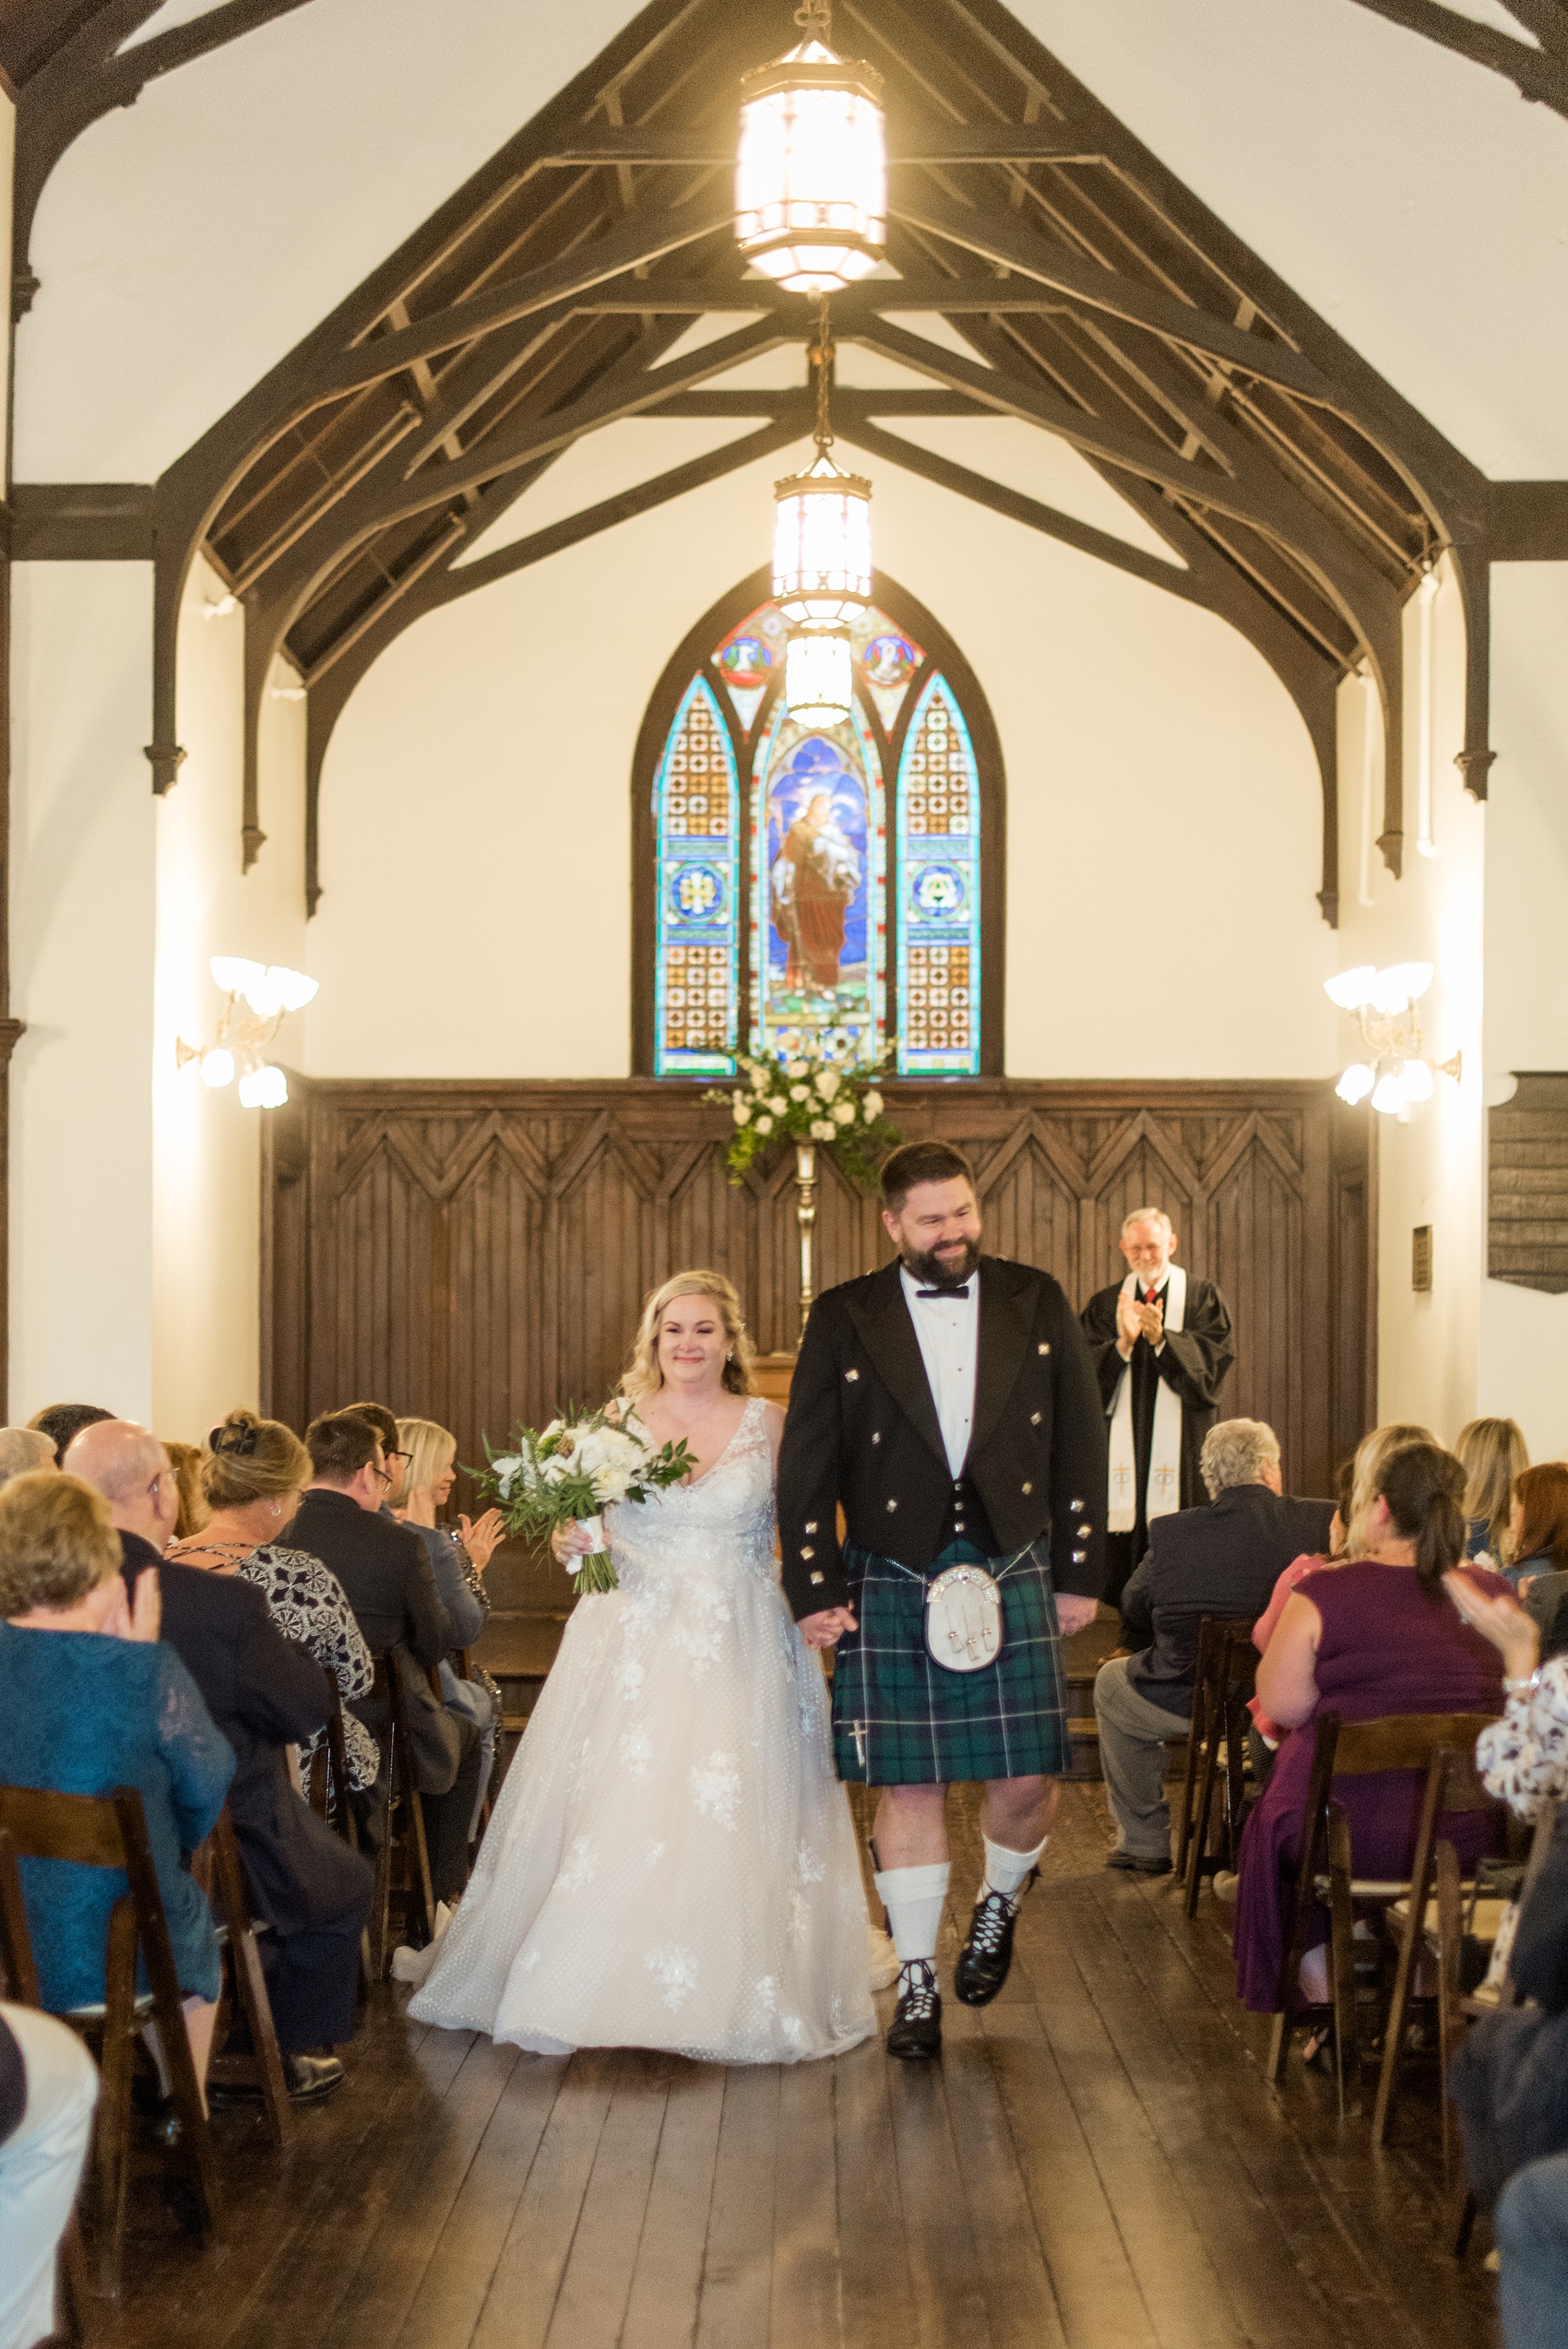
(961, 1290)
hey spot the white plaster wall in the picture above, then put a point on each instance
(206, 1144)
(475, 819)
(1523, 1368)
(82, 942)
(1430, 1162)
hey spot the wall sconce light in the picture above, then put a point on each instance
(269, 992)
(1398, 1073)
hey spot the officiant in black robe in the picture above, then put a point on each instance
(1128, 1328)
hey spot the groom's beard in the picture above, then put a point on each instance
(949, 1270)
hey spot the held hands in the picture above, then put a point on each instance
(140, 1618)
(1073, 1614)
(1128, 1324)
(482, 1538)
(827, 1626)
(1502, 1620)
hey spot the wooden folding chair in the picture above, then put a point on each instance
(20, 1973)
(402, 1789)
(1325, 1868)
(110, 1831)
(1435, 1925)
(1224, 1679)
(220, 1870)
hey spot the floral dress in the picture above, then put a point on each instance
(1524, 1757)
(310, 1607)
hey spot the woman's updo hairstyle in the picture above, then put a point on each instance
(250, 1459)
(643, 1373)
(1424, 1489)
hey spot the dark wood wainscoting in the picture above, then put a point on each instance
(479, 1252)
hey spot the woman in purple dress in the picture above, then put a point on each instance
(1374, 1636)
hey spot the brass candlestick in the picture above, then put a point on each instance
(805, 1216)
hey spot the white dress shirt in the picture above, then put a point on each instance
(948, 1331)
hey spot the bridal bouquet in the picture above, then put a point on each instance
(574, 1469)
(807, 1092)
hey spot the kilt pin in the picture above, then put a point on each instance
(862, 1434)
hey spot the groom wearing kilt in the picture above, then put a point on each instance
(950, 1405)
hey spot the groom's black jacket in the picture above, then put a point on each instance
(862, 1433)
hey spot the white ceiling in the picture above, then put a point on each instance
(186, 243)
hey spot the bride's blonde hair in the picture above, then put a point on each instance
(643, 1374)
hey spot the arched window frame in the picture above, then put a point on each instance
(692, 658)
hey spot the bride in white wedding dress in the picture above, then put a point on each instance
(672, 1862)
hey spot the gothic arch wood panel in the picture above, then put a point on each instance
(478, 1252)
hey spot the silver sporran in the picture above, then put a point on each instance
(963, 1618)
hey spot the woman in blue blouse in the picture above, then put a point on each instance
(91, 1700)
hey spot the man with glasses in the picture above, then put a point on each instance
(385, 1571)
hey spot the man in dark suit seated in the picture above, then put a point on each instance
(1222, 1560)
(384, 1569)
(265, 1694)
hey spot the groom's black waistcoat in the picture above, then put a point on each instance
(862, 1433)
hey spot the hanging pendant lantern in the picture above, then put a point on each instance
(819, 676)
(822, 568)
(810, 171)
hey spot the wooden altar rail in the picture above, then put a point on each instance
(476, 1253)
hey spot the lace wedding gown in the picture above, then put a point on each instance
(672, 1862)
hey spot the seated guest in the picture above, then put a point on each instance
(251, 1481)
(48, 2089)
(1357, 1494)
(383, 1568)
(1492, 1454)
(457, 1562)
(92, 1699)
(1378, 1635)
(1222, 1560)
(1536, 1541)
(185, 1459)
(22, 1449)
(1524, 1757)
(61, 1421)
(266, 1695)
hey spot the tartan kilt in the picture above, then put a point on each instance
(919, 1724)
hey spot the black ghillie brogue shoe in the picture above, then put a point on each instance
(916, 2027)
(985, 1957)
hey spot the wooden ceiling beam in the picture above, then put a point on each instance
(330, 689)
(994, 239)
(89, 76)
(849, 406)
(1541, 74)
(643, 239)
(945, 143)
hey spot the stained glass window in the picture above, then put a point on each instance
(939, 924)
(803, 830)
(696, 811)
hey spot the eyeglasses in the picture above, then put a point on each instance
(398, 1455)
(384, 1473)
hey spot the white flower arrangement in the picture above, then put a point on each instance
(572, 1469)
(815, 1087)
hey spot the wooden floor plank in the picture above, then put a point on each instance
(737, 2275)
(455, 2284)
(875, 2278)
(591, 2304)
(661, 2309)
(806, 2303)
(521, 2300)
(1014, 2277)
(939, 2243)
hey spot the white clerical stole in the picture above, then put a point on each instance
(1163, 1494)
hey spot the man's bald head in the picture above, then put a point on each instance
(131, 1469)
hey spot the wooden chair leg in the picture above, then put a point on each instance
(1347, 2033)
(1450, 2022)
(250, 1983)
(1464, 2220)
(1278, 2049)
(1409, 1953)
(1190, 1776)
(112, 2134)
(1235, 1770)
(1204, 1812)
(73, 2291)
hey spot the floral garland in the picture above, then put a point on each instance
(809, 1091)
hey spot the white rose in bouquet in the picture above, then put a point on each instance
(822, 1129)
(778, 1104)
(828, 1083)
(800, 1093)
(761, 1076)
(797, 1069)
(742, 1111)
(765, 1124)
(843, 1113)
(872, 1104)
(506, 1470)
